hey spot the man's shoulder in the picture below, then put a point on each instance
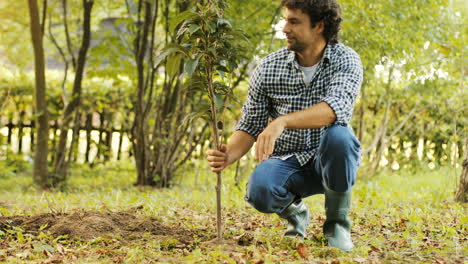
(278, 57)
(340, 53)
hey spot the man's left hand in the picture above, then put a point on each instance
(266, 139)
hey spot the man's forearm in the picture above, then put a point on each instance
(239, 143)
(316, 116)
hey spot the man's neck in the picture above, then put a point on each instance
(311, 55)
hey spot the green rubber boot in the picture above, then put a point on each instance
(297, 215)
(337, 227)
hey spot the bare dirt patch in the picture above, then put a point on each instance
(87, 225)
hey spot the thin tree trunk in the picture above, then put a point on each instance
(54, 138)
(31, 136)
(72, 154)
(61, 164)
(42, 125)
(119, 150)
(383, 135)
(20, 131)
(237, 175)
(217, 145)
(88, 127)
(139, 126)
(100, 151)
(462, 189)
(10, 130)
(360, 133)
(383, 139)
(108, 152)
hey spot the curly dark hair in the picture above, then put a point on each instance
(327, 10)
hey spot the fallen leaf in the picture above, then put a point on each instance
(359, 260)
(61, 249)
(302, 250)
(375, 249)
(54, 260)
(260, 261)
(47, 253)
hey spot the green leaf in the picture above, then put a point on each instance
(184, 16)
(191, 65)
(224, 23)
(20, 237)
(42, 247)
(61, 237)
(166, 52)
(222, 68)
(222, 74)
(194, 116)
(219, 102)
(172, 65)
(193, 28)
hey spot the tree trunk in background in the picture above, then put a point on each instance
(463, 184)
(10, 129)
(384, 127)
(108, 142)
(31, 135)
(88, 127)
(54, 137)
(61, 162)
(42, 125)
(119, 149)
(20, 131)
(360, 130)
(101, 135)
(139, 128)
(73, 153)
(236, 176)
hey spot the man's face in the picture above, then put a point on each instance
(298, 30)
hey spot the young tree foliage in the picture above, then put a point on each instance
(213, 50)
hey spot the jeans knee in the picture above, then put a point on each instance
(259, 196)
(265, 196)
(338, 141)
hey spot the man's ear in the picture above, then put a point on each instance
(320, 27)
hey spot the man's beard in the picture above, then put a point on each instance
(296, 46)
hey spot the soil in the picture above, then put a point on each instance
(87, 225)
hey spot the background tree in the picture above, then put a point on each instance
(462, 189)
(70, 113)
(40, 157)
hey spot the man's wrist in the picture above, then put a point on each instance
(229, 160)
(283, 120)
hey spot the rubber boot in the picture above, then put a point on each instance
(297, 215)
(337, 227)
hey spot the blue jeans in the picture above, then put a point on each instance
(276, 183)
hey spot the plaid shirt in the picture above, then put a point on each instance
(277, 88)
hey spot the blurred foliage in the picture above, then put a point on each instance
(417, 49)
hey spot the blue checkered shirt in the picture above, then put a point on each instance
(277, 88)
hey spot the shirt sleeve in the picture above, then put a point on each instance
(344, 87)
(255, 110)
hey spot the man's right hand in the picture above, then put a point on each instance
(217, 160)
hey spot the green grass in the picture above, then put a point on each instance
(399, 217)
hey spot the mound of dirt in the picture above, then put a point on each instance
(86, 225)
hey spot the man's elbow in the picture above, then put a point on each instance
(329, 116)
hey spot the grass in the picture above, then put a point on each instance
(399, 217)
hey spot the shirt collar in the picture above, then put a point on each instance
(325, 58)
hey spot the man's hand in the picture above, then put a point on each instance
(217, 160)
(266, 139)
